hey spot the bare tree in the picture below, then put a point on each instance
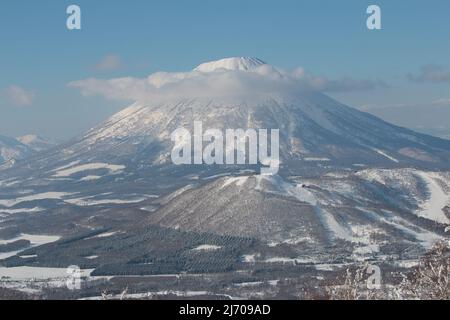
(430, 280)
(354, 286)
(124, 293)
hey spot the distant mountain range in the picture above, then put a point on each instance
(13, 149)
(36, 143)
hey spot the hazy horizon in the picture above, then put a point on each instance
(382, 71)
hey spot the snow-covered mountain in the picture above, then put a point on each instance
(12, 149)
(36, 143)
(313, 127)
(316, 132)
(347, 178)
(374, 211)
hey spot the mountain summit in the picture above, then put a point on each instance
(12, 149)
(234, 63)
(35, 142)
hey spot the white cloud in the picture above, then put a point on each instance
(403, 106)
(442, 102)
(261, 81)
(431, 73)
(345, 84)
(109, 63)
(369, 107)
(18, 96)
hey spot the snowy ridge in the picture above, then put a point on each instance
(315, 211)
(12, 149)
(36, 142)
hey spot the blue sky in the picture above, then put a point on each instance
(39, 56)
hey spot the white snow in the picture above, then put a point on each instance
(316, 159)
(335, 227)
(27, 139)
(249, 258)
(89, 166)
(35, 240)
(294, 240)
(144, 295)
(286, 260)
(5, 255)
(28, 256)
(302, 194)
(432, 208)
(177, 193)
(283, 260)
(90, 178)
(86, 202)
(207, 247)
(106, 234)
(23, 210)
(234, 63)
(238, 181)
(256, 283)
(425, 237)
(305, 194)
(406, 263)
(71, 164)
(36, 142)
(38, 196)
(30, 273)
(384, 154)
(328, 266)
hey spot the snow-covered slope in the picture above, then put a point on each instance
(235, 63)
(36, 143)
(12, 149)
(369, 210)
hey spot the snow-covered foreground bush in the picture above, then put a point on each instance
(429, 280)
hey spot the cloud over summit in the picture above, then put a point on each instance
(431, 73)
(260, 81)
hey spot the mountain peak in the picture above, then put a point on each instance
(35, 142)
(29, 138)
(234, 63)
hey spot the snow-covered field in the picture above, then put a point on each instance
(207, 247)
(34, 279)
(33, 197)
(89, 166)
(95, 202)
(35, 240)
(26, 210)
(30, 273)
